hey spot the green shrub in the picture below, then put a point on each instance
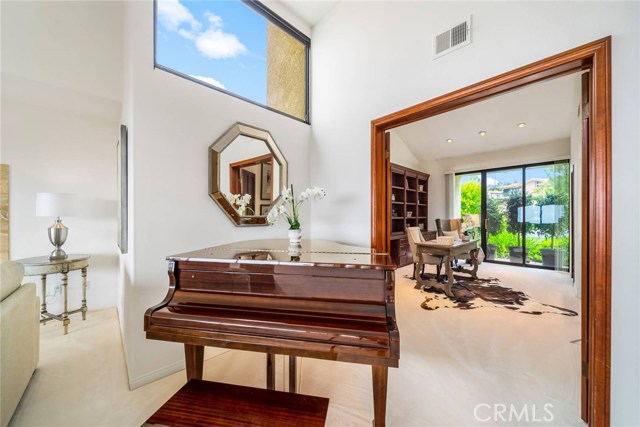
(534, 244)
(503, 240)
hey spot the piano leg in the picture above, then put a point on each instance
(271, 371)
(380, 374)
(292, 374)
(194, 357)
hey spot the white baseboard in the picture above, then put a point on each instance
(156, 375)
(210, 353)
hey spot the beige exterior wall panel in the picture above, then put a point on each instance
(285, 72)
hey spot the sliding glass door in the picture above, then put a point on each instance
(503, 202)
(521, 213)
(547, 215)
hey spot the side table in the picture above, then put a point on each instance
(41, 266)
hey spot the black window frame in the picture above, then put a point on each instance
(483, 209)
(274, 19)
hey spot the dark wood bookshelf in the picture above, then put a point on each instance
(409, 208)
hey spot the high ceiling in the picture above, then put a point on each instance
(311, 11)
(548, 109)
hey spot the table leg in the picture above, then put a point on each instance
(473, 254)
(271, 371)
(65, 312)
(449, 269)
(84, 293)
(292, 374)
(380, 375)
(43, 305)
(194, 358)
(419, 269)
(474, 263)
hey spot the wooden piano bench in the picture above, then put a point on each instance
(206, 403)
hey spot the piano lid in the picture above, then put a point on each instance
(275, 251)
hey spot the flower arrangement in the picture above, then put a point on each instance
(289, 208)
(240, 202)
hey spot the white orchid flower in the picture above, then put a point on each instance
(289, 206)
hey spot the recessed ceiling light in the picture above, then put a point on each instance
(482, 133)
(521, 125)
(449, 140)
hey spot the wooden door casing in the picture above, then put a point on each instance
(596, 203)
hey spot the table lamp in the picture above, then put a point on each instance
(56, 205)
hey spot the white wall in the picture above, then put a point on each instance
(60, 108)
(172, 122)
(400, 153)
(378, 54)
(74, 45)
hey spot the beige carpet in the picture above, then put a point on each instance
(452, 363)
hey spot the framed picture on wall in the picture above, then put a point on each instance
(264, 209)
(122, 176)
(265, 181)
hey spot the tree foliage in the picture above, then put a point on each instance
(494, 216)
(470, 198)
(554, 192)
(512, 204)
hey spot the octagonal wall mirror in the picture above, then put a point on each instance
(246, 172)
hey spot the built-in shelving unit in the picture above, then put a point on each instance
(409, 199)
(409, 208)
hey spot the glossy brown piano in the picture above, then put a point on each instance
(327, 301)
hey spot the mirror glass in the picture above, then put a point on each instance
(246, 172)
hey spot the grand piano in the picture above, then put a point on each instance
(325, 301)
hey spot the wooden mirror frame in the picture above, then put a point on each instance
(596, 196)
(215, 150)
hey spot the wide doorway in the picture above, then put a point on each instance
(594, 195)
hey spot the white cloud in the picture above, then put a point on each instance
(172, 14)
(189, 35)
(216, 44)
(213, 43)
(214, 20)
(210, 80)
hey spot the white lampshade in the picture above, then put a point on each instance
(55, 204)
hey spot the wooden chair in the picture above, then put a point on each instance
(447, 227)
(415, 235)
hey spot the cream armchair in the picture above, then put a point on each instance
(415, 235)
(19, 336)
(452, 227)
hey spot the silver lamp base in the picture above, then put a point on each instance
(57, 236)
(57, 255)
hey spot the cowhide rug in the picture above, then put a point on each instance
(471, 293)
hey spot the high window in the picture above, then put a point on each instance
(238, 47)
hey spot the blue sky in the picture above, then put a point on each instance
(223, 43)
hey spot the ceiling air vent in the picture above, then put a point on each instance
(452, 39)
